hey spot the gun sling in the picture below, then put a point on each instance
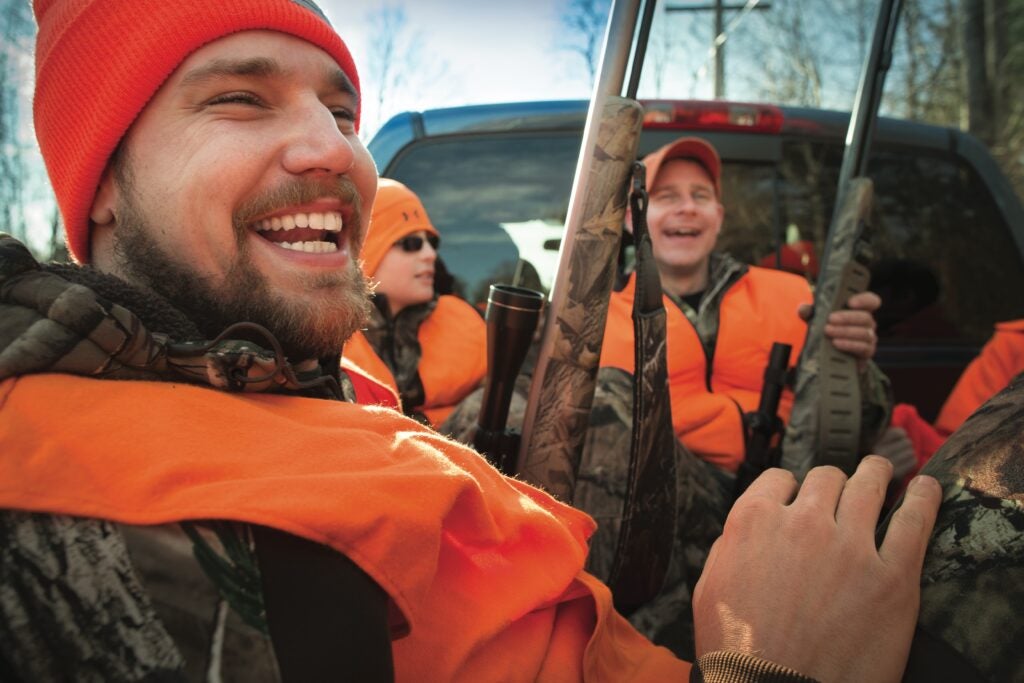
(649, 512)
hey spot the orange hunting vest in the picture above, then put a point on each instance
(453, 339)
(708, 403)
(486, 570)
(1000, 360)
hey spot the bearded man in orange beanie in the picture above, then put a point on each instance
(189, 488)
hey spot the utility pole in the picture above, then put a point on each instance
(721, 32)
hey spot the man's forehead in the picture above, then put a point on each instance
(679, 165)
(260, 54)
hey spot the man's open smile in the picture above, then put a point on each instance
(314, 233)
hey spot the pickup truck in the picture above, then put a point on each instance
(947, 233)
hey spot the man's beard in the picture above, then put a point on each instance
(309, 327)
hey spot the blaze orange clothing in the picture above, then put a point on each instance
(453, 340)
(486, 570)
(710, 395)
(369, 391)
(1000, 360)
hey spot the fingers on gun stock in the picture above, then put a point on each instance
(796, 577)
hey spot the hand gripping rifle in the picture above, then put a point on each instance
(824, 428)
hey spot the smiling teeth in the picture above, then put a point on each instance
(330, 221)
(309, 247)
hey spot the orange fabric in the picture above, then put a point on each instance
(486, 570)
(370, 391)
(75, 62)
(1000, 360)
(454, 361)
(760, 308)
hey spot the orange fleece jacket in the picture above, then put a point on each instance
(486, 570)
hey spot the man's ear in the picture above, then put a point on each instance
(629, 219)
(102, 210)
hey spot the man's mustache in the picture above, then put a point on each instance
(300, 191)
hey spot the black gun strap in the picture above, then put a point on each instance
(328, 619)
(649, 513)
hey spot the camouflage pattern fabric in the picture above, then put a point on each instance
(396, 341)
(703, 498)
(972, 588)
(72, 608)
(73, 590)
(51, 324)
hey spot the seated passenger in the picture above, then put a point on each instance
(723, 315)
(431, 349)
(175, 428)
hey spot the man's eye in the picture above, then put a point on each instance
(236, 98)
(343, 114)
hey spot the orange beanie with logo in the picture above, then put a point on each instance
(98, 62)
(397, 211)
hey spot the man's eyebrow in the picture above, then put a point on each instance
(343, 84)
(261, 67)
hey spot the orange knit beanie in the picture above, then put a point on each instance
(98, 62)
(397, 211)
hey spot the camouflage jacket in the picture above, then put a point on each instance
(91, 600)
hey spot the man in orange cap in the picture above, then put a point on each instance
(432, 350)
(187, 488)
(723, 315)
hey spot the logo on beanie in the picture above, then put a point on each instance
(312, 7)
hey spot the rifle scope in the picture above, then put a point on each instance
(512, 315)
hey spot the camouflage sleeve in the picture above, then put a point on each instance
(875, 405)
(71, 607)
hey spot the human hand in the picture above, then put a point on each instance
(800, 582)
(852, 329)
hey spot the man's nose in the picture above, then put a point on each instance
(316, 144)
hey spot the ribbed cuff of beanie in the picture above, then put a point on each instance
(726, 666)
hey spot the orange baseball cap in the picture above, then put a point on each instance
(696, 149)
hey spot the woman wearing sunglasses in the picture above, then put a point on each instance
(431, 349)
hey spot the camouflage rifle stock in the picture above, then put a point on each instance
(824, 427)
(562, 391)
(562, 388)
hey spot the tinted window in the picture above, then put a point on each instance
(499, 203)
(944, 257)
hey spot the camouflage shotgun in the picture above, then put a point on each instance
(562, 389)
(824, 428)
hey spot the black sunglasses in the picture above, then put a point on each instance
(413, 243)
